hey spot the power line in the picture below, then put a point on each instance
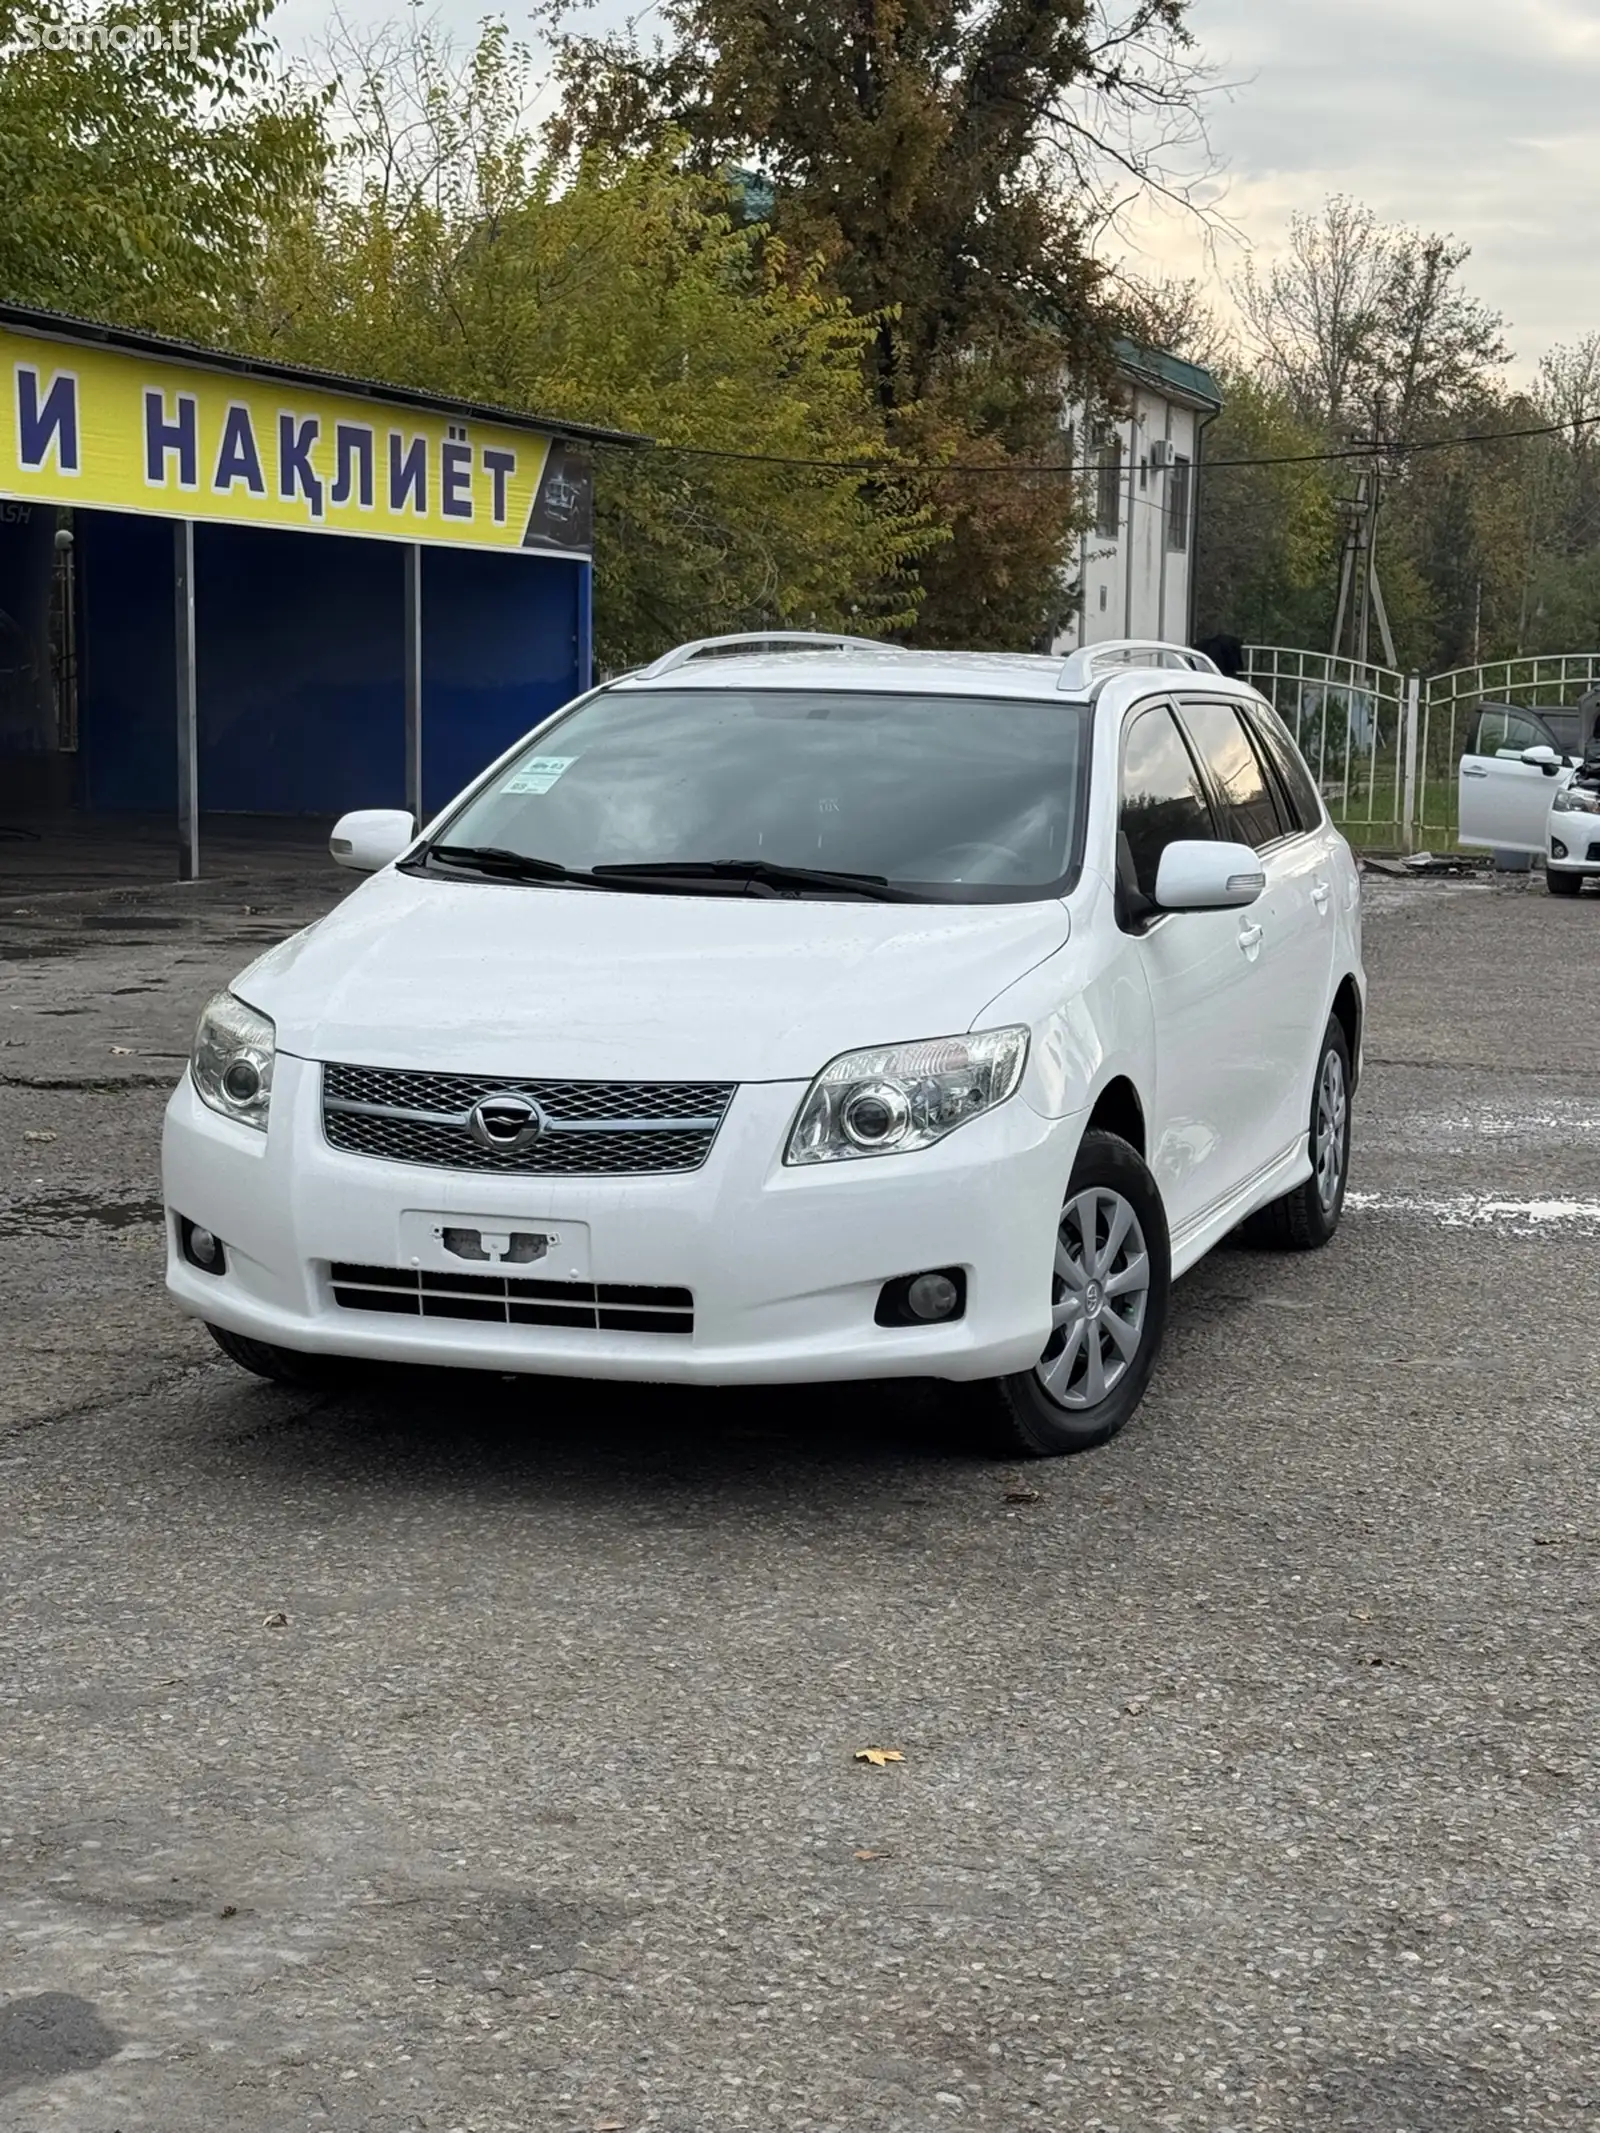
(913, 470)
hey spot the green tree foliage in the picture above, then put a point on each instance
(145, 148)
(945, 159)
(1268, 541)
(619, 291)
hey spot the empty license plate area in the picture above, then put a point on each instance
(519, 1245)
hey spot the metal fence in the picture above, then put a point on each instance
(1384, 746)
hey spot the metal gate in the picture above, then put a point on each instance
(1384, 746)
(1353, 722)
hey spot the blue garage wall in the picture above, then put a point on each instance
(302, 693)
(127, 692)
(300, 649)
(500, 651)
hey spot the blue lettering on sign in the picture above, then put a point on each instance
(499, 466)
(352, 443)
(296, 474)
(408, 474)
(237, 456)
(455, 478)
(47, 426)
(162, 437)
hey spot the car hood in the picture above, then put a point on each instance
(502, 978)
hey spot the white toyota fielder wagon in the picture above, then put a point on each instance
(796, 1009)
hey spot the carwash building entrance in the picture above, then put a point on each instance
(238, 587)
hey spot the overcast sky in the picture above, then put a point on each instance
(1480, 117)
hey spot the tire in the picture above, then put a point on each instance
(282, 1366)
(1304, 1220)
(1560, 884)
(1043, 1412)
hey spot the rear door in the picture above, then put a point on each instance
(1504, 802)
(1292, 922)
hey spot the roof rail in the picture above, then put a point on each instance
(1091, 660)
(760, 640)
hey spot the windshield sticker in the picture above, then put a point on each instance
(538, 773)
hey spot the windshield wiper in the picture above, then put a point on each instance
(767, 873)
(498, 860)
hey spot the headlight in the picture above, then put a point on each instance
(1576, 800)
(904, 1096)
(232, 1060)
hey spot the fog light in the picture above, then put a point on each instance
(930, 1299)
(1557, 849)
(201, 1247)
(932, 1296)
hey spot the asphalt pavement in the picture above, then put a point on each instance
(480, 1758)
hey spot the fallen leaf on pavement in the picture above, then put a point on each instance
(122, 1051)
(608, 2125)
(1134, 1705)
(879, 1756)
(872, 1855)
(276, 1621)
(33, 1136)
(1362, 1615)
(1022, 1495)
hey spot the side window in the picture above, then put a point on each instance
(1163, 798)
(1502, 732)
(1250, 805)
(1299, 786)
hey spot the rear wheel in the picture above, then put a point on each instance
(283, 1366)
(1109, 1291)
(1304, 1220)
(1560, 883)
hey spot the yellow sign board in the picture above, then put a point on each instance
(103, 429)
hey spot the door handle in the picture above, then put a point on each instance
(1320, 894)
(1250, 941)
(1470, 770)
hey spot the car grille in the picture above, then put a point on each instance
(1594, 849)
(506, 1300)
(609, 1127)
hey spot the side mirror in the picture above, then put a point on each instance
(371, 838)
(1543, 758)
(1204, 874)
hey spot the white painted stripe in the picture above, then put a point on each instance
(1471, 1210)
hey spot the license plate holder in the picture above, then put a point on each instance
(530, 1246)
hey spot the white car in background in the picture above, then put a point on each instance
(796, 1009)
(1522, 788)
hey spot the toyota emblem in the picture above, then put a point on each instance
(505, 1124)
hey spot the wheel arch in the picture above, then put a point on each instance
(1117, 1109)
(1347, 1012)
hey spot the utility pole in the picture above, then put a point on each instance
(1360, 595)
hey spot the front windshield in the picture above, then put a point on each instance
(959, 797)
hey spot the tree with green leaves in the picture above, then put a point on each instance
(454, 256)
(949, 162)
(146, 147)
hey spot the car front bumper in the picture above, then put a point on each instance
(1574, 847)
(785, 1265)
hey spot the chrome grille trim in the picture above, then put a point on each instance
(598, 1128)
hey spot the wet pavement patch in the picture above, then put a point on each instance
(49, 2034)
(58, 1214)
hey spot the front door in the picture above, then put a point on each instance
(1203, 972)
(1505, 802)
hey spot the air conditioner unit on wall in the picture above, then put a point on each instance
(1161, 452)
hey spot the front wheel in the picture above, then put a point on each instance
(1109, 1290)
(1562, 884)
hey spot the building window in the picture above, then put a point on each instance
(1178, 491)
(1108, 506)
